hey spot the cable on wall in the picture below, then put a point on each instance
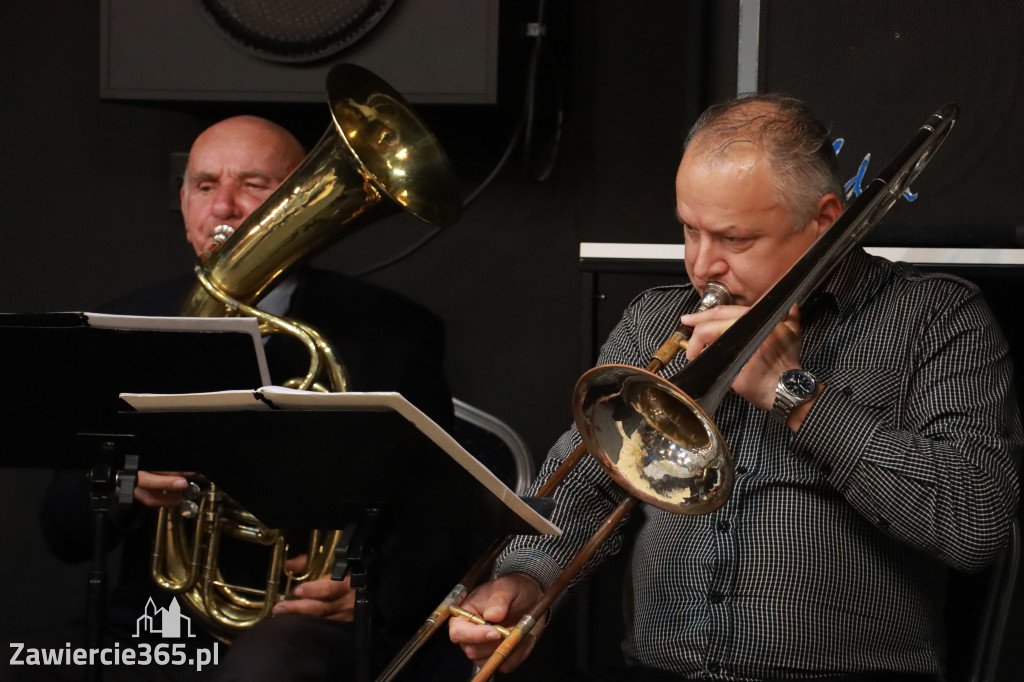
(539, 166)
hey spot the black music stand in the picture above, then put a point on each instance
(370, 456)
(62, 378)
(68, 369)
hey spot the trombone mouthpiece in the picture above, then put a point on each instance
(715, 294)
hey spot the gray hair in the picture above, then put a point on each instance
(798, 146)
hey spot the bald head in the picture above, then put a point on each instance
(233, 166)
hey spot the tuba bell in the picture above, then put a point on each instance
(376, 158)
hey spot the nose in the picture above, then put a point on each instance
(706, 262)
(225, 202)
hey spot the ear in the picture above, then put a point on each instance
(829, 208)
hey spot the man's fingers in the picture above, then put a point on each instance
(296, 564)
(309, 607)
(154, 481)
(158, 498)
(496, 610)
(704, 335)
(324, 589)
(520, 653)
(478, 642)
(722, 312)
(480, 653)
(466, 632)
(709, 325)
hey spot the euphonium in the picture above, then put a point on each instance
(376, 158)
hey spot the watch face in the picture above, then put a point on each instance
(799, 383)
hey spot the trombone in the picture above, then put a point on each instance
(612, 404)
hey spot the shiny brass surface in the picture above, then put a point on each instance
(472, 617)
(376, 158)
(654, 440)
(186, 562)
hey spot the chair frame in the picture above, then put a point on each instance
(525, 468)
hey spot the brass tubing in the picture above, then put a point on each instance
(473, 618)
(299, 331)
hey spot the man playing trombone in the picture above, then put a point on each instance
(875, 433)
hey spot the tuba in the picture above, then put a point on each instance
(376, 158)
(657, 438)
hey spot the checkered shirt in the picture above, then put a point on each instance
(831, 555)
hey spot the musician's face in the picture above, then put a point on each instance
(233, 167)
(737, 230)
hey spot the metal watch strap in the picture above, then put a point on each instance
(786, 401)
(783, 406)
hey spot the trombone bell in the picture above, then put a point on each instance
(653, 440)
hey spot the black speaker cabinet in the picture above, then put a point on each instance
(877, 70)
(432, 51)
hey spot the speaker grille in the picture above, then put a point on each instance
(295, 31)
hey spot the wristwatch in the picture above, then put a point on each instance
(796, 387)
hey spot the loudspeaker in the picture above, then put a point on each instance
(432, 51)
(877, 70)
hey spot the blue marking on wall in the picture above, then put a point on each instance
(853, 186)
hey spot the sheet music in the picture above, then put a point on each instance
(277, 397)
(242, 325)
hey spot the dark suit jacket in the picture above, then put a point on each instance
(385, 341)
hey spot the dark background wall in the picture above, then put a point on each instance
(87, 213)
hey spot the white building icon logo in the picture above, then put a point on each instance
(165, 622)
